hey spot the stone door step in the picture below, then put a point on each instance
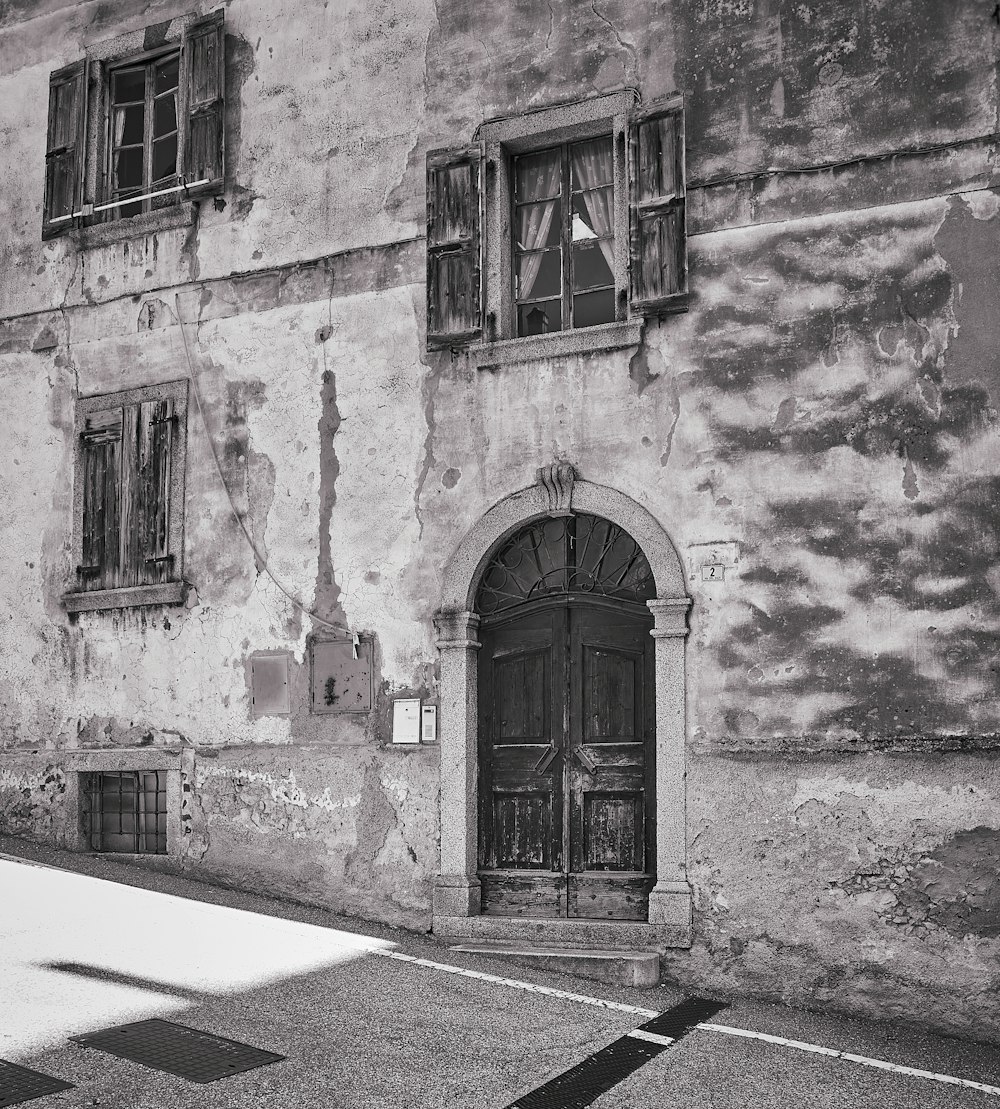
(638, 969)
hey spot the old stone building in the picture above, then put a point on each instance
(521, 470)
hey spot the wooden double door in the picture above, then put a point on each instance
(566, 760)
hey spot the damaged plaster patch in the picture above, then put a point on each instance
(283, 791)
(982, 204)
(955, 887)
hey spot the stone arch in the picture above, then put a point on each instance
(558, 492)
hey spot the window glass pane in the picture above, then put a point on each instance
(537, 175)
(538, 225)
(164, 116)
(593, 308)
(539, 275)
(537, 319)
(593, 214)
(129, 209)
(592, 163)
(128, 168)
(166, 76)
(128, 85)
(128, 125)
(592, 260)
(164, 158)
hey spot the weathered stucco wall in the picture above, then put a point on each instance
(826, 411)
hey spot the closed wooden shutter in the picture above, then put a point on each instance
(64, 148)
(658, 246)
(156, 428)
(204, 70)
(454, 267)
(100, 445)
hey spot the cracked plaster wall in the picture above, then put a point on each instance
(826, 407)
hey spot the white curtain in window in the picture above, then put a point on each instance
(592, 170)
(542, 179)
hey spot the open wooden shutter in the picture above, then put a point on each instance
(454, 266)
(64, 148)
(100, 446)
(204, 68)
(156, 430)
(658, 242)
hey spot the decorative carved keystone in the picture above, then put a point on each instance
(557, 481)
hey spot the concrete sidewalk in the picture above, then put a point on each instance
(88, 943)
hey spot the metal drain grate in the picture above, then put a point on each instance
(19, 1084)
(583, 1084)
(679, 1020)
(177, 1049)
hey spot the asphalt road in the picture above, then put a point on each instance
(90, 943)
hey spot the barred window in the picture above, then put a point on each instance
(125, 812)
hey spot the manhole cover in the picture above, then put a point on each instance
(176, 1049)
(19, 1084)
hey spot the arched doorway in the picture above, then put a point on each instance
(566, 751)
(457, 894)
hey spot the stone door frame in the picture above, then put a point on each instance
(558, 492)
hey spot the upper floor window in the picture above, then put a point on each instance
(131, 130)
(559, 221)
(143, 128)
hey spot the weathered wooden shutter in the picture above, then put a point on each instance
(658, 246)
(454, 265)
(204, 69)
(156, 430)
(64, 148)
(100, 446)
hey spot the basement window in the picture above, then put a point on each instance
(128, 498)
(125, 812)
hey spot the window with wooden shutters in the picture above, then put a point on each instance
(454, 267)
(658, 251)
(129, 498)
(132, 131)
(583, 230)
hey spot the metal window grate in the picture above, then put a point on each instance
(19, 1084)
(175, 1048)
(126, 811)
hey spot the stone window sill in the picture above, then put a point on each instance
(533, 348)
(169, 593)
(135, 227)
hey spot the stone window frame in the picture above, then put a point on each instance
(503, 141)
(125, 760)
(174, 590)
(457, 892)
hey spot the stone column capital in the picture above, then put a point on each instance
(456, 630)
(669, 617)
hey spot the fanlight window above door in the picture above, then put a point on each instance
(561, 555)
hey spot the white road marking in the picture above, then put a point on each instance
(650, 1037)
(862, 1060)
(530, 987)
(725, 1029)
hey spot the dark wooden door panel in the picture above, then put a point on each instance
(521, 725)
(520, 893)
(565, 761)
(610, 776)
(605, 896)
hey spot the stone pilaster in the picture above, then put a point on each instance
(670, 899)
(456, 889)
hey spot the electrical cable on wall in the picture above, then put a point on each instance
(261, 560)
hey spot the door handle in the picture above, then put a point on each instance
(585, 760)
(546, 760)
